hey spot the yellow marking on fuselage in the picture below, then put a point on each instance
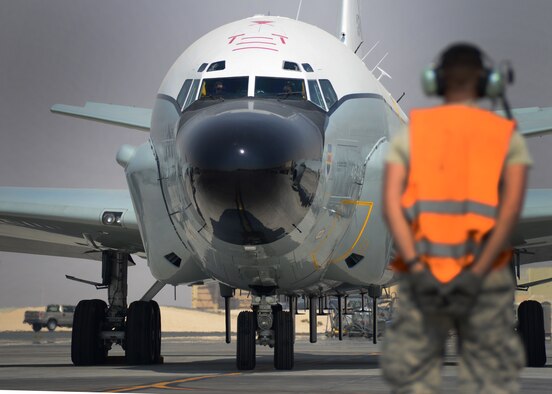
(321, 243)
(315, 262)
(395, 107)
(369, 204)
(165, 385)
(357, 202)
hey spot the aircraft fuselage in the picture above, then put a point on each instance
(264, 164)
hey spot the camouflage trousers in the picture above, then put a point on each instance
(490, 353)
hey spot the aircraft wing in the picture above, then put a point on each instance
(119, 115)
(67, 222)
(533, 121)
(535, 226)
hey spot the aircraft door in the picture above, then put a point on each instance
(345, 175)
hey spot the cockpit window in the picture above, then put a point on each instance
(202, 67)
(184, 92)
(193, 94)
(289, 88)
(307, 67)
(329, 93)
(217, 66)
(291, 66)
(315, 94)
(226, 88)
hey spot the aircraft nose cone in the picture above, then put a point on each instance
(253, 173)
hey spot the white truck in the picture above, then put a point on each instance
(54, 316)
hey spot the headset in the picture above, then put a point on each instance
(492, 82)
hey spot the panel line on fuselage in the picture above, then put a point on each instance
(170, 99)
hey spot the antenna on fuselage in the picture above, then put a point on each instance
(370, 51)
(299, 10)
(382, 59)
(383, 73)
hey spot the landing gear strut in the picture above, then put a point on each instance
(97, 326)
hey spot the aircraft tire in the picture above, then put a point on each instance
(283, 341)
(142, 332)
(157, 333)
(246, 346)
(531, 329)
(87, 348)
(37, 327)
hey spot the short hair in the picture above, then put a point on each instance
(461, 65)
(462, 55)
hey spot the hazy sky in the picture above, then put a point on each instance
(72, 51)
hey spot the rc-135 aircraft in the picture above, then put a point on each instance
(263, 172)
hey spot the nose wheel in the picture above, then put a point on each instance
(283, 340)
(266, 325)
(247, 335)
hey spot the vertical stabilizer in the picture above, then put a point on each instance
(350, 32)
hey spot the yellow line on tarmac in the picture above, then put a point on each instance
(165, 385)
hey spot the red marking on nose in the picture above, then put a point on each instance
(282, 38)
(268, 49)
(255, 42)
(232, 38)
(262, 22)
(257, 38)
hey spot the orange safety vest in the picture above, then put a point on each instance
(451, 199)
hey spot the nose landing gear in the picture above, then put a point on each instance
(267, 325)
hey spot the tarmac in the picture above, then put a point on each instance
(204, 363)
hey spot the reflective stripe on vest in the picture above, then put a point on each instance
(457, 154)
(454, 251)
(450, 207)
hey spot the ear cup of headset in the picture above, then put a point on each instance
(431, 81)
(495, 84)
(482, 82)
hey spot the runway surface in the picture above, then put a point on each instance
(204, 363)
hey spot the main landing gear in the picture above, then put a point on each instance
(266, 325)
(97, 325)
